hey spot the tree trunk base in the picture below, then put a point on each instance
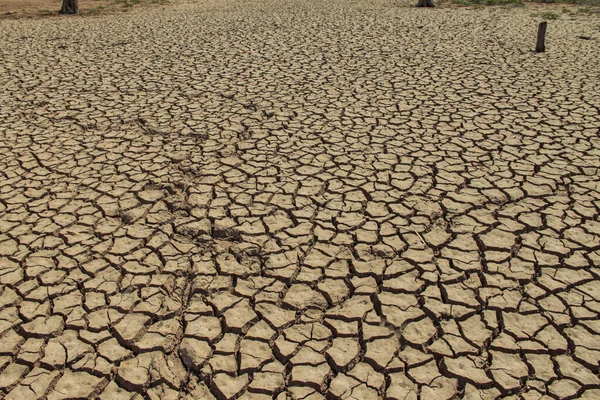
(69, 7)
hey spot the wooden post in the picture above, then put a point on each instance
(540, 47)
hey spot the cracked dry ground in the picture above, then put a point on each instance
(263, 200)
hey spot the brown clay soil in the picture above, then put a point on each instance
(292, 199)
(17, 9)
(28, 6)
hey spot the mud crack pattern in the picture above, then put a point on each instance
(299, 200)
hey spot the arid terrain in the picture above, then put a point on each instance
(286, 199)
(18, 9)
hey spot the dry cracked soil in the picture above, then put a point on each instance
(299, 200)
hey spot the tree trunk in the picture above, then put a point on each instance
(425, 3)
(69, 7)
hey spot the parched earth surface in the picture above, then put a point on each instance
(299, 200)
